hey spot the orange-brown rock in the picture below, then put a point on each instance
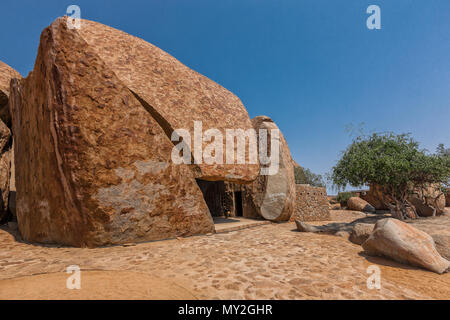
(175, 95)
(376, 197)
(358, 204)
(429, 201)
(5, 165)
(402, 242)
(273, 196)
(6, 74)
(93, 166)
(311, 204)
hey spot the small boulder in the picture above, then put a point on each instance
(401, 242)
(442, 243)
(304, 227)
(361, 232)
(358, 204)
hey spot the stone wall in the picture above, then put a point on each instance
(311, 204)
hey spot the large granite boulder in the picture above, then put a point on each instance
(429, 201)
(358, 204)
(92, 151)
(6, 154)
(402, 242)
(273, 195)
(311, 204)
(173, 94)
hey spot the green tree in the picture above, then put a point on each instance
(305, 176)
(393, 162)
(442, 151)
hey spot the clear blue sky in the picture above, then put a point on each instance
(311, 65)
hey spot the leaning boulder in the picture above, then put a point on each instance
(273, 193)
(93, 165)
(358, 204)
(401, 242)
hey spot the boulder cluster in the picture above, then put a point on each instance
(93, 126)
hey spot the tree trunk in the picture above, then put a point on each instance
(403, 210)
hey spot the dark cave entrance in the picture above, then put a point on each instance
(238, 204)
(219, 199)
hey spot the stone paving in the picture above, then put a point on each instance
(271, 261)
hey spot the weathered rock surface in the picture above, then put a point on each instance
(424, 201)
(401, 242)
(311, 204)
(376, 197)
(274, 195)
(304, 227)
(6, 74)
(361, 232)
(175, 95)
(429, 201)
(358, 204)
(93, 166)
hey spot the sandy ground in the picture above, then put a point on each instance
(265, 262)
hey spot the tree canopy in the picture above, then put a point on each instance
(392, 161)
(306, 176)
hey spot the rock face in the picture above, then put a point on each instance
(358, 204)
(425, 201)
(401, 242)
(428, 202)
(173, 94)
(361, 232)
(6, 74)
(376, 197)
(5, 170)
(273, 196)
(93, 165)
(311, 204)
